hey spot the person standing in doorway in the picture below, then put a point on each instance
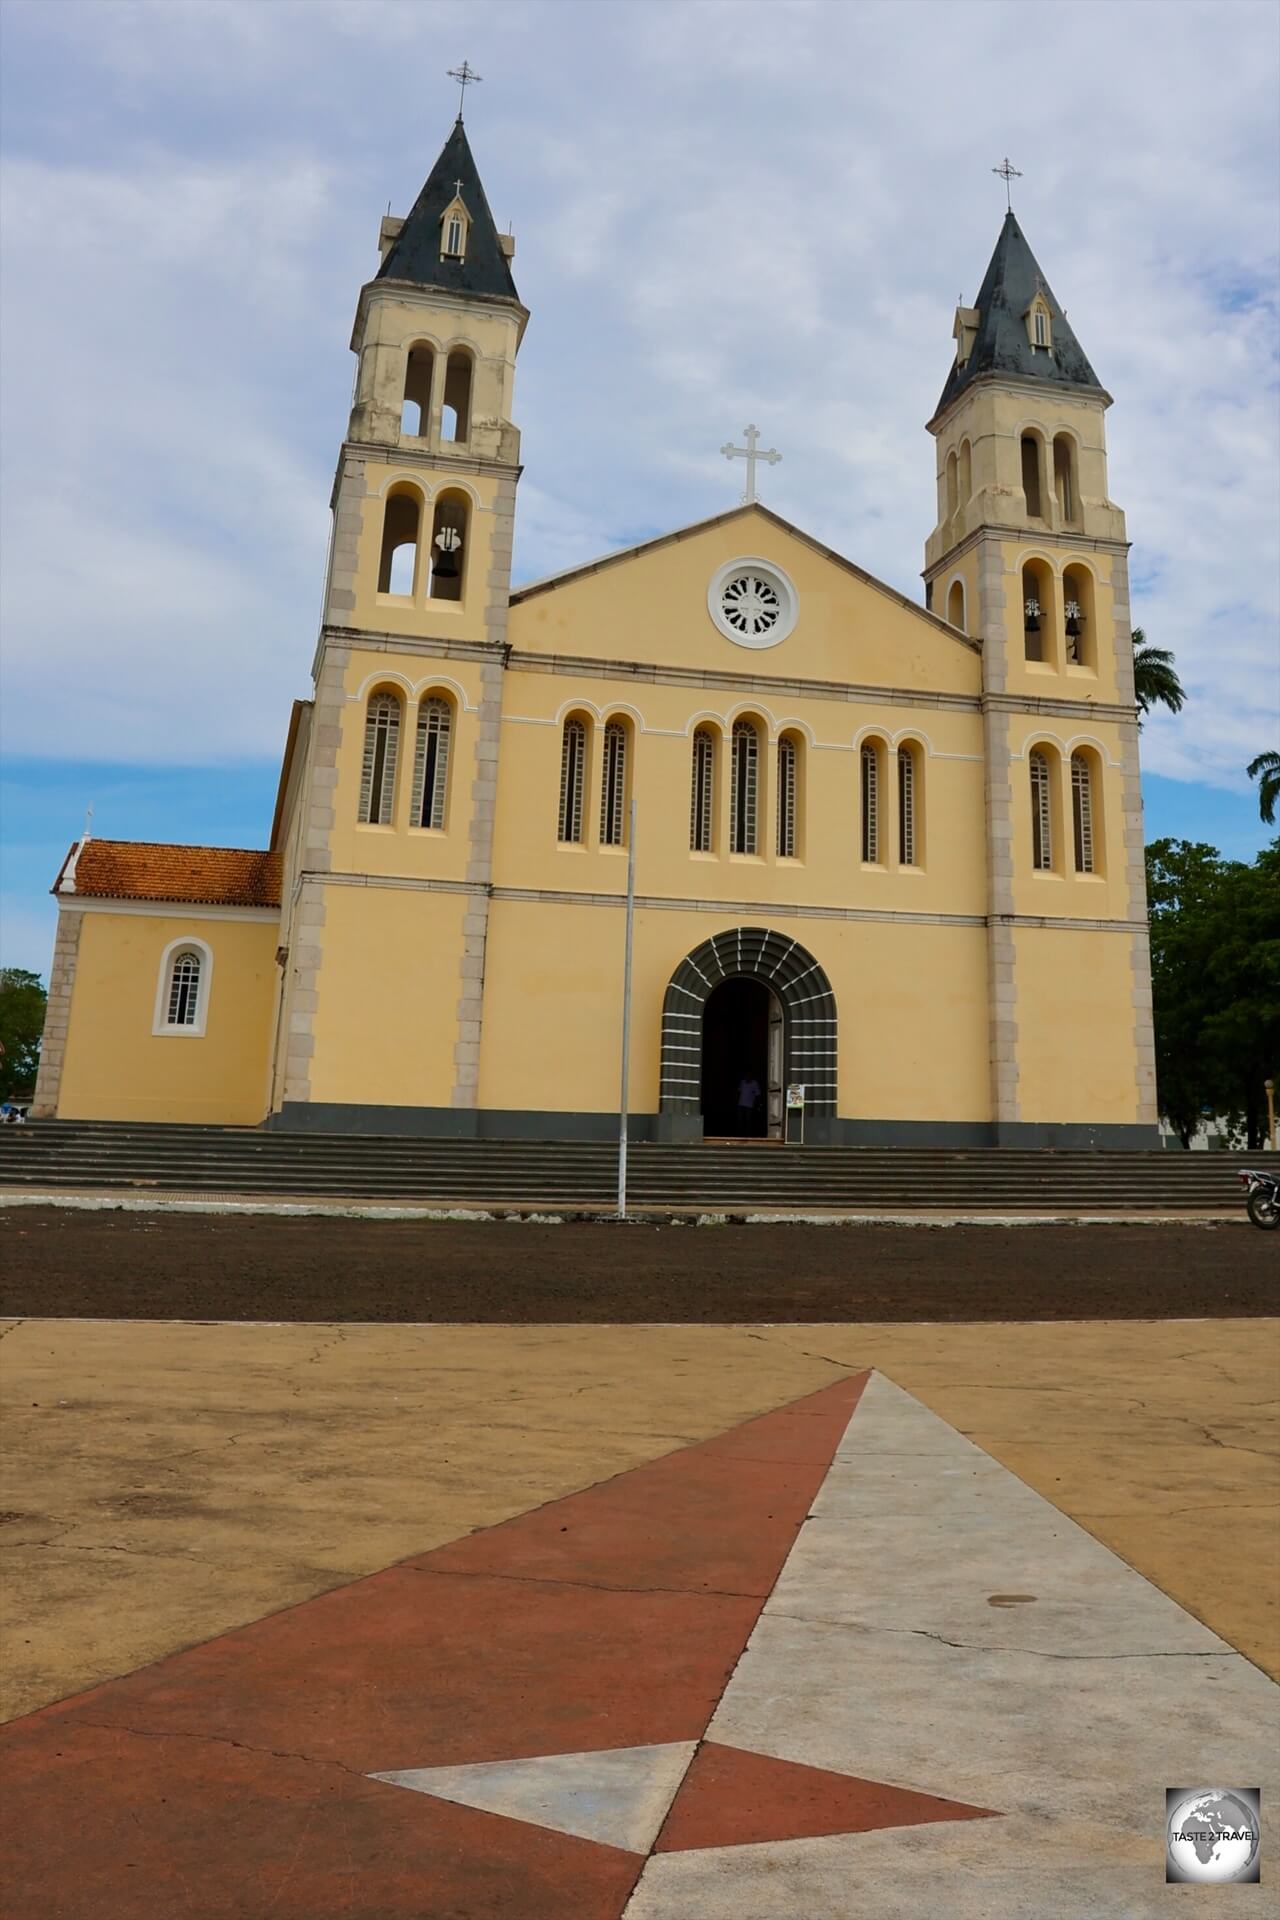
(748, 1101)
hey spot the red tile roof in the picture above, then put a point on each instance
(148, 870)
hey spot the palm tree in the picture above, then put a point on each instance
(1154, 681)
(1268, 766)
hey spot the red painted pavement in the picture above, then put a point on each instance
(227, 1782)
(730, 1798)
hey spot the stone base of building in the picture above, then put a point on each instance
(678, 1129)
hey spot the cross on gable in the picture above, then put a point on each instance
(751, 455)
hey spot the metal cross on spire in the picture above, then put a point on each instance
(466, 76)
(751, 455)
(1008, 174)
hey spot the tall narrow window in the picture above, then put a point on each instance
(415, 414)
(378, 774)
(1041, 813)
(431, 763)
(743, 794)
(702, 799)
(184, 989)
(1031, 475)
(449, 547)
(453, 236)
(906, 807)
(1064, 477)
(397, 568)
(613, 786)
(870, 804)
(1082, 811)
(953, 484)
(787, 798)
(1042, 329)
(457, 396)
(573, 773)
(955, 604)
(966, 472)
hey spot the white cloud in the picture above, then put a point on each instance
(725, 212)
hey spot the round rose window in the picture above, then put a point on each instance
(752, 603)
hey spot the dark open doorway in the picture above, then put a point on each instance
(741, 1040)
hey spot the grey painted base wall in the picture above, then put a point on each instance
(499, 1123)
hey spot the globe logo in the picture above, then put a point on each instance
(1213, 1834)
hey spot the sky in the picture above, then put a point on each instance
(724, 211)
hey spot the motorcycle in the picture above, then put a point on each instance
(1262, 1197)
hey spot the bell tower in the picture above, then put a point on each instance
(396, 790)
(1029, 556)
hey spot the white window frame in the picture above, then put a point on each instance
(435, 715)
(1082, 837)
(744, 790)
(1041, 782)
(788, 832)
(907, 824)
(160, 1026)
(869, 804)
(571, 821)
(702, 792)
(613, 784)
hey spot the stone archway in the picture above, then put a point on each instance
(809, 1021)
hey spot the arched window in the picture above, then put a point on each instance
(613, 786)
(1077, 616)
(453, 236)
(702, 798)
(184, 989)
(449, 546)
(908, 803)
(870, 764)
(573, 775)
(457, 396)
(966, 472)
(1037, 611)
(378, 772)
(1082, 811)
(744, 789)
(955, 605)
(398, 567)
(431, 762)
(788, 796)
(1031, 476)
(1064, 478)
(953, 484)
(1041, 812)
(415, 414)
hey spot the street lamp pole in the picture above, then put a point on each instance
(626, 1012)
(1270, 1087)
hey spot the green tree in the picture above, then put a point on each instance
(1154, 681)
(1215, 978)
(1265, 768)
(22, 1002)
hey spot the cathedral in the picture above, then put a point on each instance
(888, 861)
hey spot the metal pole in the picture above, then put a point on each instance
(1270, 1087)
(626, 1013)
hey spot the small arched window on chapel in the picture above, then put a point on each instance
(431, 763)
(378, 770)
(184, 989)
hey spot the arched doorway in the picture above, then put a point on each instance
(742, 1047)
(799, 1023)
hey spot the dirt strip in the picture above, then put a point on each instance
(214, 1267)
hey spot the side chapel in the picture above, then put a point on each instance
(889, 853)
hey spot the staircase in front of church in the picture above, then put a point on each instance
(135, 1159)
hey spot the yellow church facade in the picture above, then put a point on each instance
(886, 853)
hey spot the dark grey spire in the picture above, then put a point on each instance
(415, 252)
(1001, 344)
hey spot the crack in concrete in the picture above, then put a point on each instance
(221, 1740)
(986, 1646)
(592, 1586)
(12, 1328)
